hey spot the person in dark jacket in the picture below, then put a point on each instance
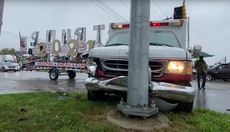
(201, 68)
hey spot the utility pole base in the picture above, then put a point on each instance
(142, 111)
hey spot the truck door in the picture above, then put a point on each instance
(228, 71)
(223, 71)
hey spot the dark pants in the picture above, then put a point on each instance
(203, 78)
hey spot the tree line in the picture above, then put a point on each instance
(13, 51)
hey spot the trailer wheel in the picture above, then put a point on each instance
(72, 74)
(53, 75)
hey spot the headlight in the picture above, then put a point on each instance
(179, 67)
(176, 67)
(91, 66)
(6, 67)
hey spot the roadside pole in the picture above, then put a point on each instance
(1, 14)
(138, 71)
(188, 33)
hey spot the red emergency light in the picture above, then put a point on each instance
(152, 24)
(119, 26)
(158, 24)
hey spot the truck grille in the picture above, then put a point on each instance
(11, 66)
(120, 67)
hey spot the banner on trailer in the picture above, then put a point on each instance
(54, 64)
(50, 37)
(23, 45)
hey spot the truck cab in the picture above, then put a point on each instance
(220, 71)
(170, 64)
(7, 63)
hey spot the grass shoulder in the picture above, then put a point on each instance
(46, 111)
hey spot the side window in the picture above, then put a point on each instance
(220, 67)
(223, 67)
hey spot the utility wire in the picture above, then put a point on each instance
(124, 4)
(163, 7)
(111, 10)
(13, 35)
(17, 35)
(160, 8)
(155, 12)
(129, 8)
(106, 10)
(9, 35)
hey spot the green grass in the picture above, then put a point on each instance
(52, 113)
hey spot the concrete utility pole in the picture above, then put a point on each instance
(188, 33)
(138, 72)
(1, 14)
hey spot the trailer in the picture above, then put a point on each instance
(54, 68)
(62, 55)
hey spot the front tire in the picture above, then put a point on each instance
(184, 107)
(53, 75)
(95, 95)
(209, 77)
(4, 70)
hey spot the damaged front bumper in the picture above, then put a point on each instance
(157, 89)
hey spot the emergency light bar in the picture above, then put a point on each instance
(152, 24)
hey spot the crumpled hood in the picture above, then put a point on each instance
(155, 52)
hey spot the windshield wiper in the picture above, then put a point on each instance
(160, 44)
(116, 44)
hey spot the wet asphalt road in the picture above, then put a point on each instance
(215, 97)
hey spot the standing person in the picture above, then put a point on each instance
(201, 68)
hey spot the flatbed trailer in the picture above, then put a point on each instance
(55, 67)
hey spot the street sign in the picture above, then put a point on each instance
(35, 51)
(64, 49)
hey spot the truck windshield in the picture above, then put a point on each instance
(156, 38)
(8, 63)
(12, 61)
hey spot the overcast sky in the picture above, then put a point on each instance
(209, 20)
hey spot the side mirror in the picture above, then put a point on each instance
(190, 50)
(197, 51)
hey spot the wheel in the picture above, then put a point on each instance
(209, 77)
(72, 74)
(4, 70)
(184, 107)
(95, 95)
(53, 75)
(194, 76)
(15, 71)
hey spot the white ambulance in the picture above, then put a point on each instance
(169, 60)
